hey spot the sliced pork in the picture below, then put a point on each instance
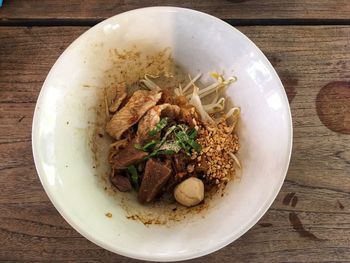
(152, 117)
(120, 95)
(139, 103)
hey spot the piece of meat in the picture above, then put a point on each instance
(147, 123)
(128, 156)
(174, 180)
(156, 175)
(202, 167)
(115, 148)
(139, 103)
(122, 183)
(188, 112)
(120, 95)
(180, 161)
(152, 117)
(182, 102)
(167, 96)
(187, 115)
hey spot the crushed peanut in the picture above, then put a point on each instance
(217, 144)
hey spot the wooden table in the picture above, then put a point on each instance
(308, 42)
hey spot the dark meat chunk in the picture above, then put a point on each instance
(202, 167)
(180, 162)
(122, 183)
(157, 173)
(175, 180)
(128, 156)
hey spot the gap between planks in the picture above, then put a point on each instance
(234, 22)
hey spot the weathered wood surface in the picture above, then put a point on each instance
(226, 9)
(308, 222)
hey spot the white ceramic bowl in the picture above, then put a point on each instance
(199, 42)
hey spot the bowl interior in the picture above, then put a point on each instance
(199, 43)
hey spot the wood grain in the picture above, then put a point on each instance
(306, 58)
(225, 9)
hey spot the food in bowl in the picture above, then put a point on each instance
(176, 142)
(75, 178)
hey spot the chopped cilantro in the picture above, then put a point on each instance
(134, 177)
(160, 126)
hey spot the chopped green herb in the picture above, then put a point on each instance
(147, 146)
(166, 152)
(152, 154)
(192, 134)
(181, 138)
(153, 132)
(160, 152)
(134, 177)
(195, 145)
(169, 131)
(160, 126)
(187, 141)
(139, 147)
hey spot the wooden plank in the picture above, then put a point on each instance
(225, 9)
(309, 220)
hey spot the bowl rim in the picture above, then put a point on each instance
(135, 254)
